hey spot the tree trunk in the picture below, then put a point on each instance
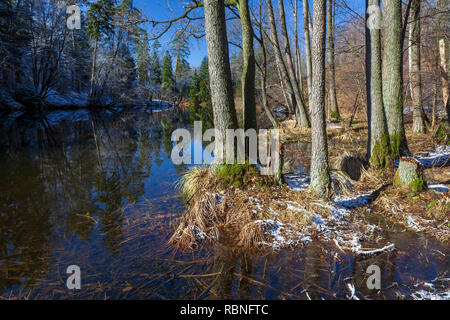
(263, 70)
(443, 47)
(94, 62)
(306, 30)
(378, 152)
(393, 77)
(300, 111)
(298, 62)
(248, 70)
(334, 110)
(285, 83)
(219, 72)
(414, 71)
(320, 176)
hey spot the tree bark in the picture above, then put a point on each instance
(94, 62)
(263, 70)
(300, 110)
(219, 71)
(378, 151)
(443, 47)
(248, 70)
(393, 77)
(414, 68)
(320, 176)
(282, 69)
(306, 31)
(334, 110)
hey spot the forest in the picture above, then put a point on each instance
(91, 93)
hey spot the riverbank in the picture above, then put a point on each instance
(261, 215)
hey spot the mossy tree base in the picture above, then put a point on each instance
(409, 175)
(381, 153)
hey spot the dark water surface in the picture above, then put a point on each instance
(97, 191)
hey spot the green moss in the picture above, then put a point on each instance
(418, 185)
(334, 115)
(237, 175)
(395, 142)
(380, 153)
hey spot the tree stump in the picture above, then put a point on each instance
(410, 175)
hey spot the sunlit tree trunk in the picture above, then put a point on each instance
(282, 69)
(378, 151)
(334, 110)
(219, 70)
(306, 30)
(320, 176)
(300, 111)
(248, 70)
(263, 77)
(414, 71)
(393, 77)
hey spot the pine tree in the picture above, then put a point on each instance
(168, 81)
(155, 65)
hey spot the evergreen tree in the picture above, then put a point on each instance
(168, 82)
(155, 65)
(143, 62)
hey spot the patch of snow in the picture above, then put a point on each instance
(440, 188)
(353, 203)
(58, 99)
(432, 291)
(333, 126)
(440, 157)
(297, 182)
(73, 116)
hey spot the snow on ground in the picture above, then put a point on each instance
(440, 188)
(353, 203)
(438, 158)
(297, 182)
(56, 117)
(57, 99)
(437, 289)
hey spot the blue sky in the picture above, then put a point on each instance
(167, 9)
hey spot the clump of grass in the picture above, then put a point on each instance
(200, 223)
(253, 235)
(192, 181)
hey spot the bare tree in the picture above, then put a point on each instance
(306, 30)
(414, 68)
(393, 76)
(334, 110)
(378, 150)
(219, 70)
(248, 69)
(320, 176)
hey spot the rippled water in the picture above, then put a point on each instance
(97, 191)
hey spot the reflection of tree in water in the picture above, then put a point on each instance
(25, 222)
(56, 182)
(225, 261)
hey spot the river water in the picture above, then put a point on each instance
(97, 190)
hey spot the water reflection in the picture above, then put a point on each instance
(98, 191)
